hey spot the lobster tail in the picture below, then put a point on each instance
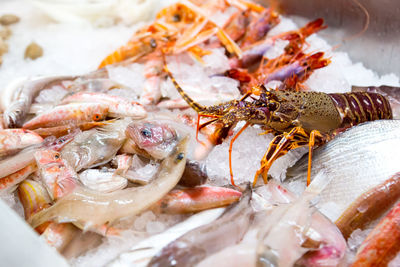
(196, 106)
(358, 107)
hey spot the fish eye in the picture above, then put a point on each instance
(176, 18)
(180, 156)
(153, 43)
(96, 117)
(146, 132)
(57, 156)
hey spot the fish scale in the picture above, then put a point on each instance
(358, 159)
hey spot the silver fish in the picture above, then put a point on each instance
(96, 146)
(357, 160)
(89, 209)
(153, 137)
(199, 243)
(141, 253)
(23, 95)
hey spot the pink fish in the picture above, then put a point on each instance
(197, 199)
(59, 177)
(12, 140)
(117, 106)
(66, 114)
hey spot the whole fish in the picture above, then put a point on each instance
(96, 146)
(117, 106)
(25, 157)
(23, 94)
(93, 209)
(326, 244)
(33, 197)
(66, 114)
(201, 242)
(357, 160)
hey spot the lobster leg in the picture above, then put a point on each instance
(280, 145)
(230, 151)
(285, 142)
(314, 134)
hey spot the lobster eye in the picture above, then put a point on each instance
(272, 105)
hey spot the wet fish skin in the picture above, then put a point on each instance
(8, 183)
(12, 140)
(157, 139)
(141, 253)
(102, 181)
(195, 174)
(25, 157)
(67, 114)
(201, 242)
(357, 160)
(23, 96)
(369, 206)
(382, 244)
(58, 176)
(117, 106)
(93, 209)
(96, 146)
(196, 199)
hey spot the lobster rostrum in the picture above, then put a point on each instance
(296, 119)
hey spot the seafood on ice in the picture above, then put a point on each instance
(157, 148)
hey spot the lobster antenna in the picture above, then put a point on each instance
(196, 106)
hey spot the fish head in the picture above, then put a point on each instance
(99, 112)
(158, 139)
(47, 156)
(58, 143)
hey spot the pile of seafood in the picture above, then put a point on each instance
(125, 150)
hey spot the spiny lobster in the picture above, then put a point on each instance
(296, 119)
